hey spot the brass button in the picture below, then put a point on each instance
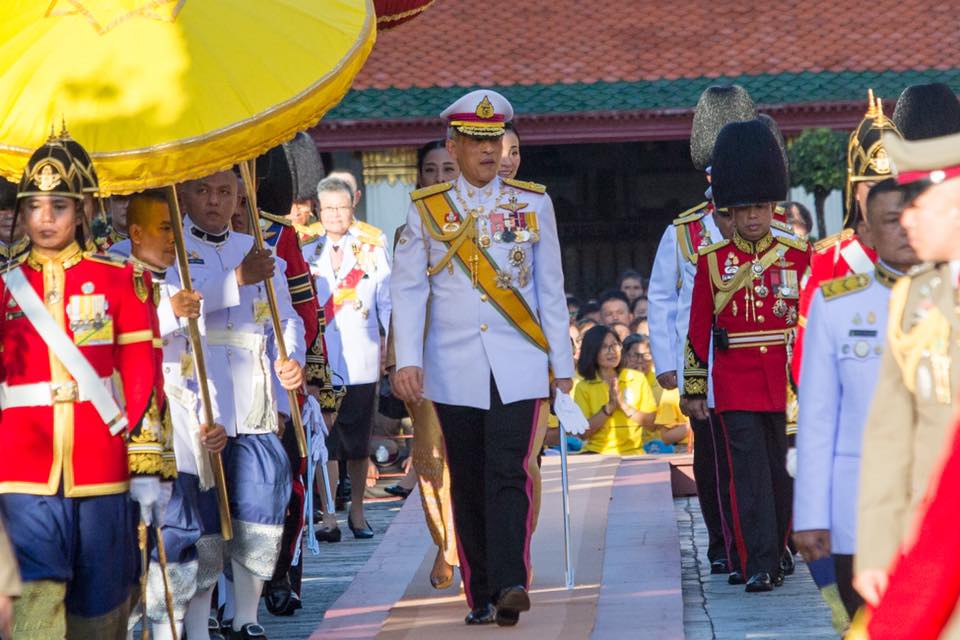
(759, 318)
(483, 327)
(483, 297)
(759, 303)
(763, 349)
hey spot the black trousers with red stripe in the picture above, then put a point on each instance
(709, 458)
(489, 452)
(761, 493)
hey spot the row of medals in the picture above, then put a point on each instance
(517, 256)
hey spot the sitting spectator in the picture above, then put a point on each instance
(672, 429)
(573, 308)
(590, 310)
(640, 326)
(617, 404)
(614, 307)
(631, 284)
(621, 330)
(639, 307)
(798, 217)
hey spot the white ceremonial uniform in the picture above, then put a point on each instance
(843, 344)
(239, 335)
(468, 338)
(353, 332)
(669, 296)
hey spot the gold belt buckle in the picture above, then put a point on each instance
(63, 391)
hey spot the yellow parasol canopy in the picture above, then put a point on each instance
(161, 91)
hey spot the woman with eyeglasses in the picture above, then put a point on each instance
(618, 403)
(671, 431)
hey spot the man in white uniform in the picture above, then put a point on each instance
(481, 256)
(241, 343)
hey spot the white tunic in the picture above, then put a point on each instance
(353, 334)
(468, 339)
(240, 336)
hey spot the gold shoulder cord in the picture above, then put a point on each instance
(908, 347)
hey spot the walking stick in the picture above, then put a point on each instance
(565, 485)
(220, 479)
(144, 566)
(250, 186)
(168, 596)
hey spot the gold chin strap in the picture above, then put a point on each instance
(39, 613)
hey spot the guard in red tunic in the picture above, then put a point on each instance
(845, 253)
(745, 297)
(72, 457)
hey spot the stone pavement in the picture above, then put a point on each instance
(712, 609)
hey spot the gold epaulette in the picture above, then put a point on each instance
(112, 259)
(369, 234)
(534, 187)
(830, 241)
(691, 214)
(797, 243)
(310, 232)
(710, 248)
(440, 187)
(782, 226)
(272, 217)
(842, 286)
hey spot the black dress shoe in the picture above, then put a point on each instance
(759, 582)
(322, 534)
(735, 577)
(511, 602)
(363, 533)
(719, 566)
(277, 594)
(482, 615)
(398, 491)
(787, 563)
(250, 631)
(215, 631)
(778, 578)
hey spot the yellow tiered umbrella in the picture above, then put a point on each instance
(160, 91)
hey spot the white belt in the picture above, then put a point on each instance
(756, 339)
(45, 394)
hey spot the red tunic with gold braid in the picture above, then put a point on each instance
(102, 305)
(834, 257)
(749, 292)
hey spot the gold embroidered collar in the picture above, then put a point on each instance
(157, 272)
(70, 256)
(886, 275)
(753, 248)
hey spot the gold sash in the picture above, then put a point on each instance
(477, 263)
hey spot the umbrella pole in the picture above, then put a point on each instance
(250, 186)
(220, 479)
(565, 484)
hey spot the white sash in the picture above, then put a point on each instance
(88, 380)
(857, 258)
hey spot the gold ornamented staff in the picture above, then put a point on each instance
(247, 173)
(220, 479)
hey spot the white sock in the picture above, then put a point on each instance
(226, 599)
(246, 593)
(197, 616)
(161, 631)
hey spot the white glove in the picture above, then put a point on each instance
(792, 462)
(571, 417)
(146, 491)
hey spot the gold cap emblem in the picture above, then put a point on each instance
(485, 109)
(48, 178)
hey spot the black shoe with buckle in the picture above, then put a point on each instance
(250, 631)
(759, 582)
(511, 602)
(735, 577)
(215, 630)
(719, 566)
(277, 594)
(485, 614)
(787, 562)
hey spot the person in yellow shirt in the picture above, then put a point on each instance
(672, 428)
(617, 404)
